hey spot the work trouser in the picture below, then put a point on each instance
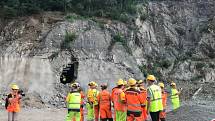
(90, 112)
(12, 116)
(144, 114)
(82, 114)
(96, 112)
(73, 115)
(105, 113)
(155, 116)
(134, 116)
(120, 115)
(162, 115)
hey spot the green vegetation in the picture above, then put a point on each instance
(151, 69)
(115, 9)
(200, 65)
(120, 39)
(69, 37)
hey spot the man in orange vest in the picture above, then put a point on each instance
(13, 103)
(164, 100)
(104, 100)
(143, 92)
(134, 102)
(118, 98)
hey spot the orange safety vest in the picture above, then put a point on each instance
(143, 92)
(14, 104)
(104, 99)
(164, 100)
(134, 100)
(119, 105)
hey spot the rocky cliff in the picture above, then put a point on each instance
(172, 39)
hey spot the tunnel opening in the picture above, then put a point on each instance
(70, 72)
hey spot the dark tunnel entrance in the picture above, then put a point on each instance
(70, 72)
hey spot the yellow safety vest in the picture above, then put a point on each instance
(175, 98)
(74, 100)
(92, 96)
(155, 99)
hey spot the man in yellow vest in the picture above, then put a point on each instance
(175, 96)
(73, 103)
(92, 101)
(154, 98)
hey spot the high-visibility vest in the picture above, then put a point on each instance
(92, 96)
(118, 103)
(164, 99)
(74, 100)
(175, 98)
(134, 100)
(104, 97)
(14, 103)
(155, 99)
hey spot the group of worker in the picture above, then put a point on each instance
(131, 101)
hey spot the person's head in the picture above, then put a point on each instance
(14, 88)
(75, 86)
(103, 86)
(173, 85)
(151, 79)
(140, 83)
(161, 84)
(92, 85)
(120, 83)
(132, 82)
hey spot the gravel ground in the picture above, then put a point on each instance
(187, 112)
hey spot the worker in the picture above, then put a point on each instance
(104, 100)
(164, 100)
(174, 96)
(82, 103)
(118, 98)
(92, 100)
(73, 100)
(143, 92)
(13, 103)
(154, 96)
(134, 102)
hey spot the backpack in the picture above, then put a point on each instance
(7, 100)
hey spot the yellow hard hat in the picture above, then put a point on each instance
(173, 84)
(92, 83)
(125, 82)
(120, 82)
(14, 86)
(140, 82)
(161, 84)
(132, 82)
(151, 78)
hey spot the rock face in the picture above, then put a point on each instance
(175, 42)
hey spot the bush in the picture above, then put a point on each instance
(69, 37)
(120, 39)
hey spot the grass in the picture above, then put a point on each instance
(68, 39)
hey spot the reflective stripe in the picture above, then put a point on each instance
(174, 97)
(156, 99)
(135, 110)
(74, 103)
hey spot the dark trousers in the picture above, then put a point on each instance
(162, 119)
(155, 116)
(106, 119)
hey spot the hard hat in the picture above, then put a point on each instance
(14, 86)
(75, 84)
(161, 84)
(125, 82)
(92, 83)
(120, 82)
(151, 78)
(132, 82)
(104, 85)
(173, 84)
(140, 82)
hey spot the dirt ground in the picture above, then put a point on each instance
(188, 112)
